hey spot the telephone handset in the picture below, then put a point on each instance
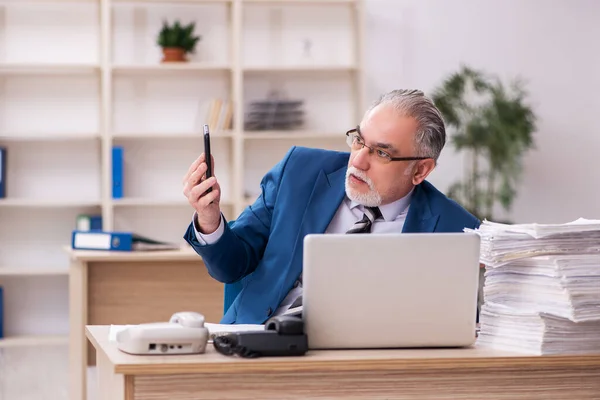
(185, 333)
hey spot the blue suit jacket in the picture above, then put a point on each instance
(262, 249)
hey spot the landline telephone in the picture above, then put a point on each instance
(283, 336)
(186, 333)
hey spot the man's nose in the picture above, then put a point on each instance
(361, 159)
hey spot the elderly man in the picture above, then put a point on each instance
(379, 186)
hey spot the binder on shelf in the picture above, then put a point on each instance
(2, 172)
(116, 241)
(87, 222)
(117, 172)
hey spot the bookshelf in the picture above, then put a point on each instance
(78, 77)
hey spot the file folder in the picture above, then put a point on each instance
(117, 172)
(116, 241)
(2, 172)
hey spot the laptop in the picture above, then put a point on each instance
(390, 290)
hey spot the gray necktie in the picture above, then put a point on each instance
(365, 224)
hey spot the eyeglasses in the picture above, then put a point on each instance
(356, 143)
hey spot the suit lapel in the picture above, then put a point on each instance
(326, 196)
(420, 218)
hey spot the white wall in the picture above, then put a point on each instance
(552, 44)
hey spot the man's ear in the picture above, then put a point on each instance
(421, 170)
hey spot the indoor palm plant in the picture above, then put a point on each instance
(177, 41)
(495, 125)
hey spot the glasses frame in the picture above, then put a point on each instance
(357, 131)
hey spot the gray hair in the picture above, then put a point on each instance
(431, 133)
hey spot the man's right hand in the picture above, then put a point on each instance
(206, 205)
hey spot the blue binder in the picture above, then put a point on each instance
(117, 172)
(98, 240)
(116, 241)
(96, 222)
(2, 172)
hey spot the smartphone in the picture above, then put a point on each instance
(207, 155)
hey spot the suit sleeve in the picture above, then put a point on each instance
(243, 241)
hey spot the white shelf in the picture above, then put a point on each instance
(45, 203)
(132, 202)
(48, 137)
(302, 2)
(30, 271)
(172, 135)
(28, 341)
(29, 2)
(148, 202)
(298, 68)
(169, 67)
(271, 2)
(173, 1)
(292, 135)
(47, 69)
(93, 73)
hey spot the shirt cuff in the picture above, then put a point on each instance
(211, 238)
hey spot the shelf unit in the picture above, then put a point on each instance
(78, 77)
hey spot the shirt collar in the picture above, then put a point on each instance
(391, 211)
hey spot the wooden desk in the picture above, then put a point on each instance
(369, 374)
(130, 288)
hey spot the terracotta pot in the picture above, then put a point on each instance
(173, 54)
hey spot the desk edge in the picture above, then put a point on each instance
(304, 364)
(183, 254)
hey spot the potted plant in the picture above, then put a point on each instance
(495, 125)
(177, 41)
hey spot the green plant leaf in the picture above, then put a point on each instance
(490, 119)
(179, 36)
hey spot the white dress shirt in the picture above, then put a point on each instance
(349, 212)
(394, 215)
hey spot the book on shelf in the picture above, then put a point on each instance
(220, 115)
(541, 288)
(117, 241)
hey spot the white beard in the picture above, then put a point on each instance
(369, 199)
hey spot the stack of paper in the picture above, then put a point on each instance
(507, 328)
(542, 287)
